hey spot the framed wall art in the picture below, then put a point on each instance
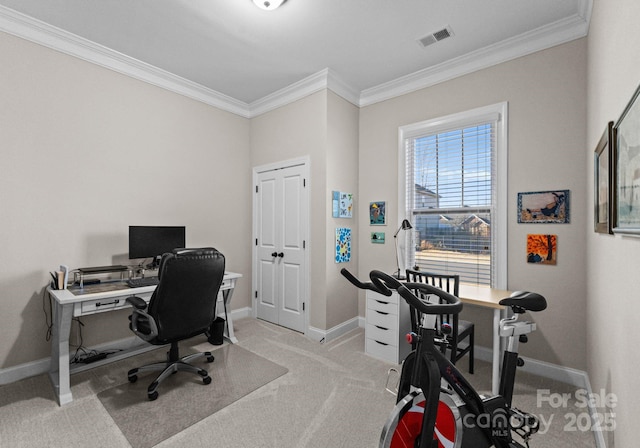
(377, 213)
(544, 207)
(542, 249)
(626, 169)
(603, 182)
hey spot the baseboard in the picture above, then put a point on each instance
(568, 375)
(33, 368)
(241, 313)
(319, 335)
(574, 377)
(40, 366)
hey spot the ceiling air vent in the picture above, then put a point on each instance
(436, 36)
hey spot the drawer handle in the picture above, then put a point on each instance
(115, 302)
(381, 328)
(381, 343)
(380, 312)
(382, 302)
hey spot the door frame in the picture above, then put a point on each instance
(305, 162)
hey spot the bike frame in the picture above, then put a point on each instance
(431, 367)
(425, 368)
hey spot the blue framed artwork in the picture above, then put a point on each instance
(342, 204)
(343, 244)
(544, 207)
(377, 213)
(377, 237)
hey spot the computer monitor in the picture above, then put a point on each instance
(153, 241)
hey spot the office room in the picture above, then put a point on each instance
(94, 141)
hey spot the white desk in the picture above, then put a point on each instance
(488, 298)
(109, 296)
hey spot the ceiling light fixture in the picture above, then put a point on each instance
(268, 5)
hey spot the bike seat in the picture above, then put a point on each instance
(525, 300)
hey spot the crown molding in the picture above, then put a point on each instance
(34, 30)
(297, 90)
(571, 28)
(42, 33)
(324, 79)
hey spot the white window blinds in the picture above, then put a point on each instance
(450, 199)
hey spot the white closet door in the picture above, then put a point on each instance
(280, 266)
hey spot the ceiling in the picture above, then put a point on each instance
(242, 54)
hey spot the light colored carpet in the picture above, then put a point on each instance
(332, 396)
(183, 398)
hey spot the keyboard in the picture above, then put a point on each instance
(145, 281)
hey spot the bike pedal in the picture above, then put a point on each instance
(386, 386)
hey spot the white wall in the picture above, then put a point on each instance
(613, 283)
(547, 112)
(86, 152)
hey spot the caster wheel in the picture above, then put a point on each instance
(206, 380)
(153, 396)
(210, 358)
(133, 378)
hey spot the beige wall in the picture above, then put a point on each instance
(342, 175)
(76, 138)
(86, 152)
(547, 104)
(289, 132)
(613, 283)
(324, 127)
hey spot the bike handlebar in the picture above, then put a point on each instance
(383, 283)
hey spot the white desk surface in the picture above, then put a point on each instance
(66, 296)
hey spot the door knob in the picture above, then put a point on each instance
(281, 254)
(274, 254)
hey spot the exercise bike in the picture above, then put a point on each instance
(436, 406)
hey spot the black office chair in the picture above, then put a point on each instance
(460, 329)
(183, 305)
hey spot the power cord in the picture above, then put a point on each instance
(48, 317)
(86, 356)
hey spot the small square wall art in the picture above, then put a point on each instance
(542, 249)
(343, 244)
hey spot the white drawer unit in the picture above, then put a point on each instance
(388, 322)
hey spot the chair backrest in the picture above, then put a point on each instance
(184, 302)
(447, 282)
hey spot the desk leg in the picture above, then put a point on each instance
(495, 368)
(227, 294)
(59, 370)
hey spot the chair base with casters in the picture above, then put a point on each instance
(181, 307)
(172, 365)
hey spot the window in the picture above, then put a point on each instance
(453, 191)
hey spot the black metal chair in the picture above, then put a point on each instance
(182, 306)
(460, 329)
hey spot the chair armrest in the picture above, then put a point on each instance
(137, 302)
(143, 325)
